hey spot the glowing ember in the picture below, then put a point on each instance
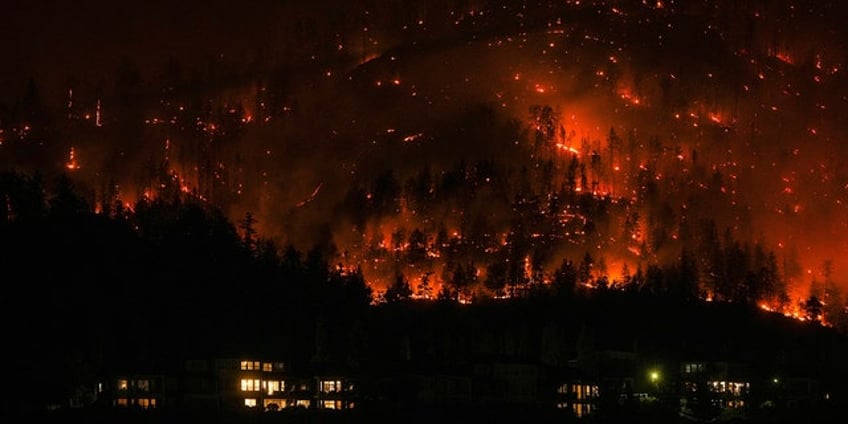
(72, 163)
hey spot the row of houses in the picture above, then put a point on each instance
(588, 384)
(227, 384)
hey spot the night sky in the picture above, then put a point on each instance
(57, 41)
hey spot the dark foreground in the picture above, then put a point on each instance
(441, 415)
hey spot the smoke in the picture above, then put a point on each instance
(740, 123)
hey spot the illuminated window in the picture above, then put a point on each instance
(734, 388)
(146, 403)
(143, 385)
(693, 368)
(302, 403)
(738, 388)
(578, 409)
(267, 367)
(250, 385)
(121, 402)
(250, 402)
(584, 391)
(738, 403)
(329, 386)
(331, 404)
(274, 404)
(273, 386)
(123, 384)
(582, 409)
(250, 365)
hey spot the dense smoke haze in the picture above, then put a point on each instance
(439, 139)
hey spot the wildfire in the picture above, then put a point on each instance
(715, 118)
(628, 96)
(567, 148)
(606, 175)
(792, 310)
(72, 163)
(784, 57)
(412, 137)
(311, 196)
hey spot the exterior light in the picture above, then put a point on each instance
(654, 376)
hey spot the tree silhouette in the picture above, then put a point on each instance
(65, 201)
(496, 277)
(813, 308)
(248, 230)
(385, 194)
(686, 287)
(424, 289)
(399, 290)
(446, 294)
(356, 291)
(584, 272)
(544, 122)
(565, 278)
(417, 250)
(21, 197)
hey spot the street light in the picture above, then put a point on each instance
(654, 376)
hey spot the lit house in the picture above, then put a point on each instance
(250, 383)
(335, 393)
(267, 385)
(574, 391)
(300, 392)
(134, 391)
(713, 388)
(579, 397)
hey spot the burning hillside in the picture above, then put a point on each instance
(485, 148)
